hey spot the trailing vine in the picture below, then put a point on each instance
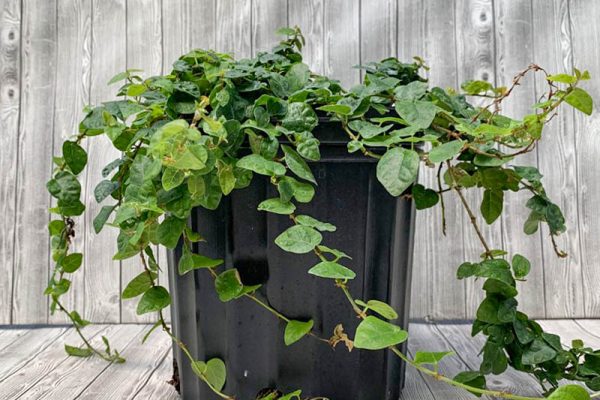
(180, 137)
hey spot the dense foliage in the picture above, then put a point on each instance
(180, 137)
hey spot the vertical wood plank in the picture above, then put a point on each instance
(34, 157)
(102, 281)
(144, 51)
(342, 40)
(73, 84)
(308, 15)
(267, 17)
(233, 33)
(378, 28)
(10, 75)
(514, 52)
(475, 47)
(428, 31)
(557, 157)
(586, 55)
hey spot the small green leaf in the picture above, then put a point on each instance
(562, 78)
(538, 353)
(277, 206)
(416, 112)
(383, 309)
(75, 156)
(199, 368)
(368, 130)
(295, 330)
(138, 285)
(307, 220)
(215, 373)
(398, 169)
(229, 285)
(300, 117)
(154, 299)
(226, 178)
(299, 239)
(190, 261)
(78, 351)
(102, 217)
(424, 198)
(375, 334)
(331, 270)
(521, 266)
(445, 151)
(171, 178)
(581, 100)
(261, 165)
(473, 379)
(570, 392)
(297, 164)
(169, 231)
(433, 358)
(336, 108)
(491, 205)
(104, 189)
(72, 262)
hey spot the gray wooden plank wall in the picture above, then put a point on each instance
(57, 55)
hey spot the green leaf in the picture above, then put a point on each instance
(297, 164)
(75, 156)
(296, 330)
(215, 373)
(65, 186)
(482, 160)
(309, 221)
(491, 205)
(154, 299)
(562, 78)
(538, 353)
(199, 368)
(375, 334)
(261, 165)
(289, 187)
(300, 117)
(366, 129)
(398, 169)
(229, 285)
(521, 266)
(417, 113)
(494, 359)
(331, 270)
(476, 87)
(570, 392)
(473, 379)
(381, 308)
(299, 239)
(71, 262)
(424, 198)
(138, 285)
(171, 178)
(433, 358)
(581, 100)
(102, 217)
(445, 151)
(413, 91)
(136, 89)
(290, 396)
(169, 231)
(336, 108)
(104, 189)
(277, 206)
(190, 261)
(78, 351)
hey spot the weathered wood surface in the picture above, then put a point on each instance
(36, 367)
(56, 56)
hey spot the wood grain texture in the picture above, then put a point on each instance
(233, 30)
(308, 15)
(563, 278)
(378, 30)
(144, 51)
(157, 386)
(10, 93)
(267, 17)
(102, 281)
(73, 69)
(586, 54)
(341, 21)
(75, 373)
(34, 162)
(514, 52)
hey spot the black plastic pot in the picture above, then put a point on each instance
(373, 227)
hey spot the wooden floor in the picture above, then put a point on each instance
(33, 364)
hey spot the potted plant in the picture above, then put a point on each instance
(235, 164)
